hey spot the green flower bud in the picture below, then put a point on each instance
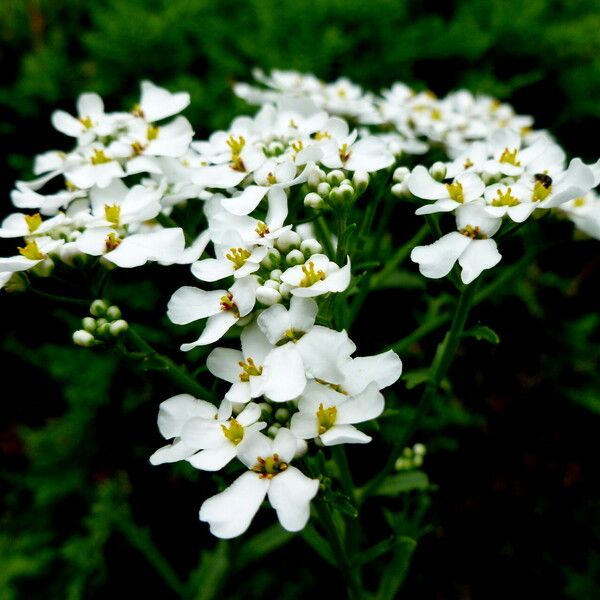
(98, 308)
(118, 327)
(89, 324)
(83, 338)
(113, 313)
(295, 257)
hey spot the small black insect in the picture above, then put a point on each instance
(544, 179)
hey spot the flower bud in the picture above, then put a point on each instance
(83, 338)
(315, 177)
(310, 247)
(323, 189)
(419, 449)
(270, 283)
(98, 308)
(295, 257)
(275, 148)
(342, 193)
(16, 284)
(417, 461)
(70, 254)
(272, 431)
(243, 321)
(285, 289)
(360, 180)
(335, 177)
(266, 410)
(44, 268)
(438, 170)
(282, 415)
(89, 324)
(400, 174)
(267, 295)
(272, 259)
(103, 329)
(118, 327)
(313, 200)
(301, 448)
(288, 240)
(276, 275)
(400, 190)
(113, 313)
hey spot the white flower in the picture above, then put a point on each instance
(204, 436)
(31, 254)
(245, 370)
(289, 491)
(222, 307)
(512, 200)
(234, 258)
(550, 192)
(302, 349)
(25, 197)
(95, 166)
(470, 245)
(166, 246)
(317, 276)
(20, 225)
(329, 415)
(90, 122)
(448, 196)
(158, 103)
(585, 213)
(342, 150)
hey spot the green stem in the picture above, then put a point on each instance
(63, 299)
(140, 539)
(439, 369)
(174, 371)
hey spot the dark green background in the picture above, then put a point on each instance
(515, 514)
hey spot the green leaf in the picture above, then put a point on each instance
(396, 570)
(415, 378)
(481, 332)
(402, 482)
(262, 544)
(342, 503)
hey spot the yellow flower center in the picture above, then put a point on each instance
(137, 148)
(542, 187)
(579, 202)
(297, 146)
(86, 122)
(455, 191)
(236, 145)
(152, 132)
(436, 114)
(261, 229)
(322, 135)
(249, 369)
(112, 213)
(336, 387)
(505, 199)
(474, 233)
(137, 111)
(310, 275)
(271, 179)
(31, 251)
(99, 158)
(344, 153)
(234, 433)
(238, 256)
(112, 241)
(268, 467)
(468, 163)
(33, 221)
(510, 157)
(227, 304)
(326, 418)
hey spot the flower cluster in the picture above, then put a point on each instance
(113, 190)
(265, 195)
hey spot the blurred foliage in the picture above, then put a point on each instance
(82, 512)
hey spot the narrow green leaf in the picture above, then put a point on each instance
(396, 569)
(481, 332)
(262, 544)
(402, 482)
(318, 544)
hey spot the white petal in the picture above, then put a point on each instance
(249, 415)
(211, 269)
(67, 124)
(339, 280)
(385, 369)
(284, 445)
(230, 513)
(213, 459)
(284, 375)
(274, 322)
(246, 202)
(240, 392)
(323, 352)
(437, 259)
(365, 406)
(472, 186)
(189, 304)
(254, 343)
(479, 255)
(290, 494)
(344, 434)
(158, 103)
(174, 452)
(90, 105)
(176, 411)
(443, 205)
(224, 364)
(200, 433)
(215, 328)
(422, 185)
(244, 294)
(302, 313)
(304, 426)
(253, 446)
